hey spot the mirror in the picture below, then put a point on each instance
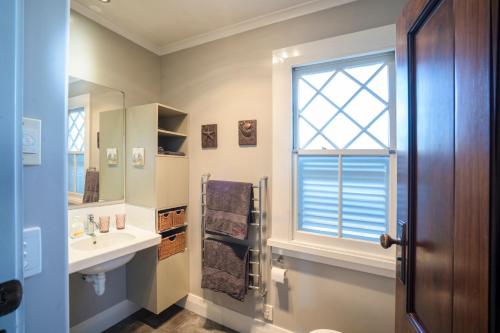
(96, 144)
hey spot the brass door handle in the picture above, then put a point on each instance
(387, 241)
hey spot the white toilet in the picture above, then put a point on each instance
(324, 331)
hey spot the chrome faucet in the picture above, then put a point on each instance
(91, 225)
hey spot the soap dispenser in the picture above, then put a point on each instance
(76, 227)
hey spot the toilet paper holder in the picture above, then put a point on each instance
(278, 270)
(280, 260)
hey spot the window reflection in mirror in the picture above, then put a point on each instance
(96, 141)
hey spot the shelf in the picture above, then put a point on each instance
(173, 156)
(168, 111)
(171, 134)
(172, 229)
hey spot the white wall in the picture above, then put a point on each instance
(11, 206)
(44, 187)
(100, 56)
(231, 79)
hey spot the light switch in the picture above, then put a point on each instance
(32, 137)
(32, 251)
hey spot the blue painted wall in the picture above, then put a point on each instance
(10, 163)
(46, 25)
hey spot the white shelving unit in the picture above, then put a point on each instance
(162, 183)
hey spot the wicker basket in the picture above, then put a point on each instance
(172, 245)
(165, 221)
(171, 219)
(178, 217)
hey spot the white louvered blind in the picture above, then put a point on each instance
(342, 142)
(365, 196)
(318, 186)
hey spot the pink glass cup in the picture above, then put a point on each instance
(120, 221)
(104, 224)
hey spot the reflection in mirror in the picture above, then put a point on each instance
(96, 143)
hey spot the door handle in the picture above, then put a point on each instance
(386, 241)
(11, 293)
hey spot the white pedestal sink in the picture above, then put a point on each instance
(94, 256)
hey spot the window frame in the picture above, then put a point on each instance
(353, 254)
(389, 152)
(79, 102)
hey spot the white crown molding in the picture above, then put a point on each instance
(309, 7)
(96, 17)
(253, 23)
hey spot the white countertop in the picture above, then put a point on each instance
(79, 260)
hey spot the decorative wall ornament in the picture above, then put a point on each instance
(247, 132)
(138, 157)
(209, 136)
(112, 156)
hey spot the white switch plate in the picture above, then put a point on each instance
(32, 251)
(32, 137)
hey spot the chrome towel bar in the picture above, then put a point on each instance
(256, 260)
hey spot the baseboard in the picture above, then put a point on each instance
(229, 318)
(106, 318)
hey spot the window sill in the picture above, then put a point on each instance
(358, 261)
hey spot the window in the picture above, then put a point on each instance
(76, 150)
(342, 140)
(334, 170)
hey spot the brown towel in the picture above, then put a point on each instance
(91, 193)
(229, 206)
(225, 268)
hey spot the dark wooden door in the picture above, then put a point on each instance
(444, 155)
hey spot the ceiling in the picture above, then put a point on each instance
(165, 26)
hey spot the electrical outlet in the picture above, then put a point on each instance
(268, 312)
(32, 251)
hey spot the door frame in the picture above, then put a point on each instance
(495, 174)
(11, 210)
(473, 159)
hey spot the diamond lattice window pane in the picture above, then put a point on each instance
(363, 73)
(305, 93)
(79, 122)
(79, 143)
(364, 141)
(364, 108)
(317, 80)
(380, 84)
(73, 134)
(306, 132)
(341, 131)
(336, 104)
(380, 129)
(319, 112)
(340, 89)
(76, 132)
(320, 142)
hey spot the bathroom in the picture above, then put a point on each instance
(139, 117)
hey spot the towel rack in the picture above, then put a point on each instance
(256, 261)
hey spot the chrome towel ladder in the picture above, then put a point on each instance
(256, 260)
